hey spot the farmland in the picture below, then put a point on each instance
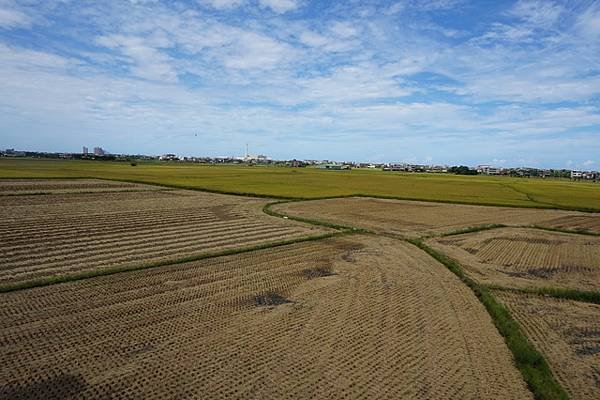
(568, 332)
(411, 218)
(71, 233)
(42, 186)
(354, 318)
(527, 258)
(312, 183)
(133, 290)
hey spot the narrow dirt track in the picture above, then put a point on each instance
(353, 318)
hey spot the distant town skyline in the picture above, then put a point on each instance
(440, 82)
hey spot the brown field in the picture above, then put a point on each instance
(43, 235)
(587, 222)
(413, 218)
(567, 333)
(346, 318)
(55, 186)
(517, 257)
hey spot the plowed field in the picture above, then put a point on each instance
(353, 318)
(13, 186)
(568, 333)
(412, 218)
(46, 235)
(527, 257)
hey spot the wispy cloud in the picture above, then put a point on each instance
(280, 6)
(12, 17)
(405, 80)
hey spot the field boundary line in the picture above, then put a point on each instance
(55, 279)
(584, 296)
(461, 231)
(488, 227)
(537, 205)
(530, 362)
(560, 230)
(267, 209)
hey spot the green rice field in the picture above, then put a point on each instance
(307, 183)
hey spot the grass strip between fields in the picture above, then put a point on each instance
(267, 209)
(470, 229)
(584, 296)
(54, 279)
(530, 362)
(488, 227)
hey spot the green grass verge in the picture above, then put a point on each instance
(54, 279)
(559, 293)
(530, 362)
(472, 229)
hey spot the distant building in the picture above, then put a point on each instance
(488, 170)
(99, 151)
(333, 166)
(168, 157)
(85, 150)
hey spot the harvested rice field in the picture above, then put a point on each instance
(55, 186)
(568, 333)
(583, 222)
(516, 257)
(357, 317)
(62, 234)
(413, 218)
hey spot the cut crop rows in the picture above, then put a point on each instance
(529, 257)
(45, 240)
(352, 318)
(568, 333)
(412, 218)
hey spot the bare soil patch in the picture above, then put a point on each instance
(568, 334)
(391, 324)
(65, 234)
(413, 218)
(516, 257)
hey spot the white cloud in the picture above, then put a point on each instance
(280, 6)
(12, 18)
(588, 163)
(222, 4)
(344, 30)
(539, 13)
(256, 51)
(148, 61)
(588, 23)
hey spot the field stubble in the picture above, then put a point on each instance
(355, 317)
(568, 333)
(526, 258)
(413, 218)
(62, 234)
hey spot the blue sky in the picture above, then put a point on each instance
(440, 81)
